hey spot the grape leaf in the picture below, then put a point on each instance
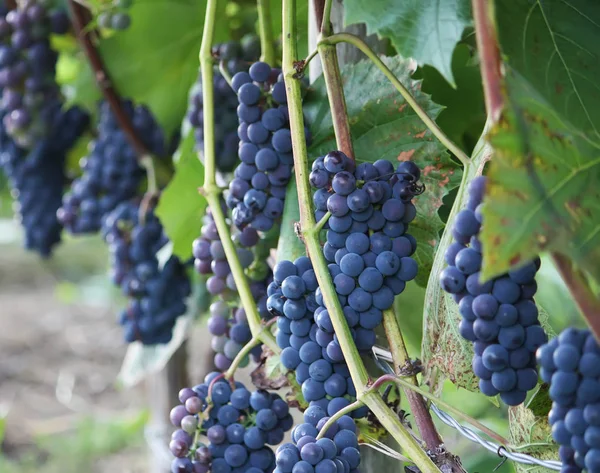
(543, 186)
(445, 354)
(155, 61)
(550, 44)
(532, 435)
(463, 116)
(290, 246)
(384, 126)
(181, 206)
(426, 30)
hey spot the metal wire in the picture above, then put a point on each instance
(381, 354)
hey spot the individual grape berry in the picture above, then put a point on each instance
(498, 313)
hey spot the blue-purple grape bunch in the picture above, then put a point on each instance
(367, 245)
(222, 427)
(326, 383)
(499, 316)
(257, 192)
(156, 294)
(111, 172)
(236, 57)
(30, 93)
(37, 177)
(230, 332)
(227, 324)
(336, 452)
(570, 363)
(210, 257)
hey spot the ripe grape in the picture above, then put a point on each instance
(111, 172)
(499, 312)
(157, 295)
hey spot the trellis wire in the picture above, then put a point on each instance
(500, 450)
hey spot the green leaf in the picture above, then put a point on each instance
(181, 206)
(550, 44)
(445, 354)
(155, 61)
(290, 246)
(383, 126)
(543, 186)
(426, 30)
(463, 116)
(531, 434)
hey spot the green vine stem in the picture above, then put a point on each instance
(342, 412)
(427, 120)
(420, 412)
(457, 412)
(326, 21)
(213, 193)
(356, 367)
(265, 30)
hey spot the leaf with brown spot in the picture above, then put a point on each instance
(384, 127)
(541, 163)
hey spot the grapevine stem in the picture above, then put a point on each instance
(321, 223)
(422, 416)
(342, 412)
(457, 412)
(310, 57)
(241, 355)
(266, 32)
(489, 56)
(224, 72)
(579, 288)
(427, 120)
(78, 13)
(356, 367)
(337, 101)
(212, 191)
(326, 22)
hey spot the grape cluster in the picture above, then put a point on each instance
(111, 172)
(156, 294)
(570, 363)
(117, 16)
(336, 452)
(235, 56)
(27, 69)
(367, 247)
(499, 316)
(210, 256)
(230, 332)
(37, 177)
(257, 192)
(307, 340)
(239, 426)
